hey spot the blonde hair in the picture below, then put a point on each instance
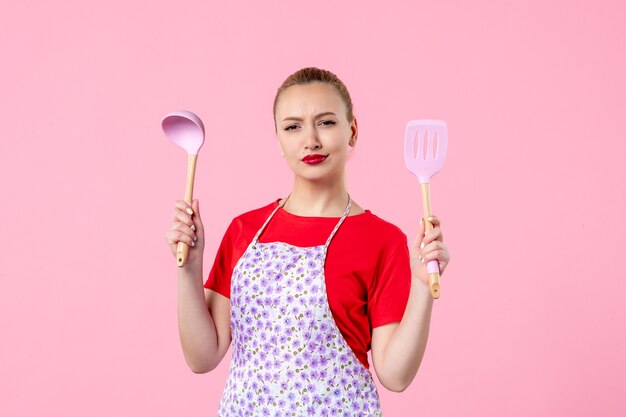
(312, 75)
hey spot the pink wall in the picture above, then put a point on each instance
(532, 314)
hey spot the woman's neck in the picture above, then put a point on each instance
(315, 199)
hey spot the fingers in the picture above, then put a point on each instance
(180, 232)
(195, 206)
(434, 233)
(181, 217)
(182, 205)
(185, 227)
(441, 255)
(427, 242)
(175, 236)
(434, 220)
(432, 250)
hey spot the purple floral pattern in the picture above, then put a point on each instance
(289, 357)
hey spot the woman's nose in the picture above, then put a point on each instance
(312, 141)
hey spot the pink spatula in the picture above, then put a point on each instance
(425, 145)
(186, 130)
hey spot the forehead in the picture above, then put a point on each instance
(302, 100)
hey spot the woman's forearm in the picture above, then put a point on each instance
(196, 328)
(407, 344)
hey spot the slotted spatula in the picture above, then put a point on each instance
(425, 146)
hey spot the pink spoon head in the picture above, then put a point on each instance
(425, 146)
(185, 129)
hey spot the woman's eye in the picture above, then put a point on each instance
(327, 122)
(291, 127)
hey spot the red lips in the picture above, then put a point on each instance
(314, 159)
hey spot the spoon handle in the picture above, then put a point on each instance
(182, 249)
(433, 266)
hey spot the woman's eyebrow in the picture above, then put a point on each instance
(299, 119)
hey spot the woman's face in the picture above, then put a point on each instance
(313, 132)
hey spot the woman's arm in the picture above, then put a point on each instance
(203, 321)
(398, 348)
(203, 316)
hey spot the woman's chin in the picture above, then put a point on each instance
(317, 177)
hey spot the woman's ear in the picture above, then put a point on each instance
(354, 127)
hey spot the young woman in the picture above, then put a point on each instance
(306, 285)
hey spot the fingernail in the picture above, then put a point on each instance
(430, 218)
(193, 243)
(422, 245)
(195, 238)
(421, 220)
(189, 211)
(193, 227)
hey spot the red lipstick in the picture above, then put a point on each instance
(314, 159)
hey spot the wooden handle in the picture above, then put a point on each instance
(433, 278)
(182, 249)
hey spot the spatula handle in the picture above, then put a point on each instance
(432, 266)
(182, 249)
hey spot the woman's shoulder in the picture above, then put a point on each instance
(375, 226)
(254, 215)
(247, 223)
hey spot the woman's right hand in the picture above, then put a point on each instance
(187, 228)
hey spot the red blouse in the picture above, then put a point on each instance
(367, 270)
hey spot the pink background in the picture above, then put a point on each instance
(532, 314)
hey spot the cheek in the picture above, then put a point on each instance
(284, 143)
(342, 145)
(289, 149)
(334, 140)
(291, 154)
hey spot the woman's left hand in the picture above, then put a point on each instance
(426, 247)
